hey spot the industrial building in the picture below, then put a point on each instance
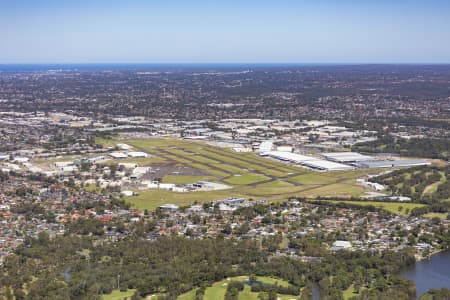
(346, 157)
(308, 161)
(393, 163)
(137, 154)
(265, 146)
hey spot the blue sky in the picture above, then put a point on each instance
(238, 31)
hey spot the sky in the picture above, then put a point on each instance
(227, 31)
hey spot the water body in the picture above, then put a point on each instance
(433, 273)
(315, 292)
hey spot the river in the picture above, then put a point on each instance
(430, 273)
(433, 273)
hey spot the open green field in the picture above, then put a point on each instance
(246, 179)
(151, 199)
(248, 174)
(275, 183)
(350, 292)
(313, 178)
(218, 289)
(118, 295)
(432, 215)
(394, 207)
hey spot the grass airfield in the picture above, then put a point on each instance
(248, 174)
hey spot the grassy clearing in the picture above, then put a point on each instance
(188, 296)
(350, 292)
(118, 295)
(220, 173)
(389, 206)
(271, 191)
(173, 158)
(431, 215)
(106, 142)
(151, 199)
(256, 164)
(217, 290)
(247, 294)
(276, 183)
(353, 174)
(335, 189)
(245, 179)
(92, 188)
(313, 178)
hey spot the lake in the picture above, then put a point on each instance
(430, 273)
(433, 273)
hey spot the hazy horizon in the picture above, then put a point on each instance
(225, 32)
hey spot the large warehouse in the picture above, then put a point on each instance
(308, 161)
(346, 157)
(393, 163)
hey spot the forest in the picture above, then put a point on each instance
(76, 267)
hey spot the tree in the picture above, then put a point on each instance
(272, 295)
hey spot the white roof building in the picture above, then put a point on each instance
(346, 157)
(341, 245)
(127, 193)
(171, 207)
(118, 155)
(62, 164)
(21, 159)
(123, 146)
(166, 186)
(137, 154)
(284, 148)
(308, 161)
(141, 170)
(266, 146)
(69, 169)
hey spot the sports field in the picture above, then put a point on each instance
(248, 174)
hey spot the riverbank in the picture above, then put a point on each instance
(430, 273)
(422, 258)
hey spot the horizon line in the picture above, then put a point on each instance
(228, 63)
